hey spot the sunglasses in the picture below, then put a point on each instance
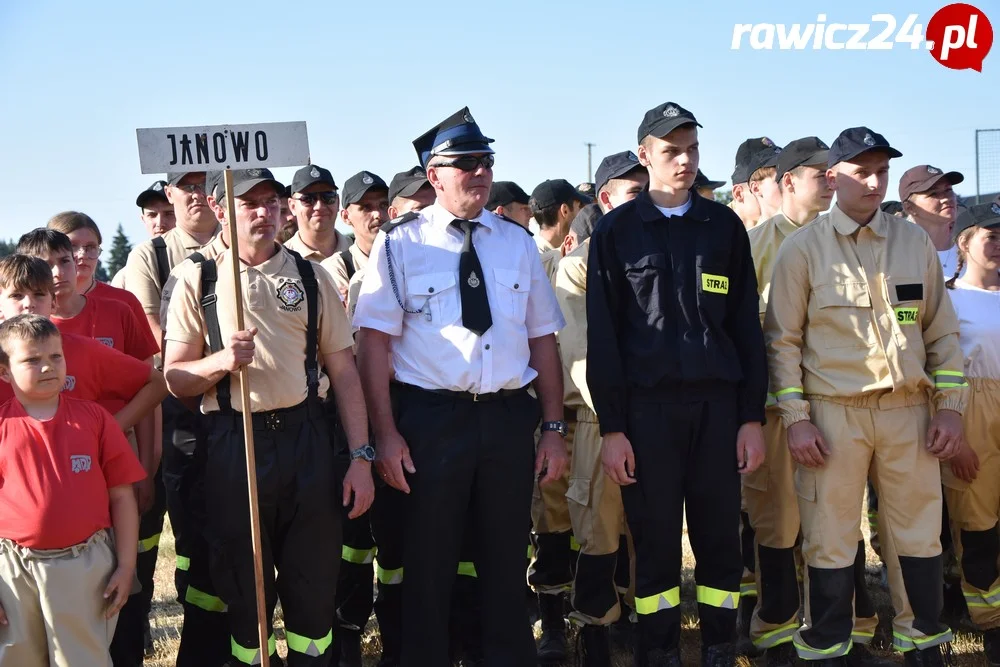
(469, 162)
(328, 198)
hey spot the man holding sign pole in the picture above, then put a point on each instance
(293, 320)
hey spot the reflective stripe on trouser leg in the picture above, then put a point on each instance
(776, 616)
(250, 655)
(908, 480)
(355, 598)
(312, 647)
(981, 580)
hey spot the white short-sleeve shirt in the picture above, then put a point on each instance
(978, 313)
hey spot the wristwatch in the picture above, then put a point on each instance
(365, 452)
(560, 427)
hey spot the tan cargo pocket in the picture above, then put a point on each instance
(805, 484)
(757, 480)
(579, 491)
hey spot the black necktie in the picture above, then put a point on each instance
(471, 283)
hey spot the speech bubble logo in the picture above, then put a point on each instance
(960, 36)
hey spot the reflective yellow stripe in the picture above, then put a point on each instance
(251, 656)
(183, 563)
(203, 600)
(531, 552)
(573, 544)
(357, 556)
(654, 603)
(149, 543)
(930, 641)
(748, 589)
(306, 646)
(771, 400)
(906, 315)
(389, 577)
(713, 597)
(789, 394)
(949, 379)
(809, 653)
(776, 637)
(862, 637)
(467, 569)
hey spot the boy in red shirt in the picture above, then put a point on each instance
(68, 519)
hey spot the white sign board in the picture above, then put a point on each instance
(216, 147)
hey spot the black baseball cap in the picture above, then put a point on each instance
(854, 141)
(804, 151)
(745, 154)
(245, 180)
(615, 166)
(175, 177)
(406, 183)
(504, 193)
(555, 192)
(310, 175)
(980, 215)
(702, 181)
(767, 157)
(587, 188)
(213, 180)
(585, 221)
(662, 119)
(154, 191)
(358, 184)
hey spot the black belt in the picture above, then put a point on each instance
(272, 420)
(466, 395)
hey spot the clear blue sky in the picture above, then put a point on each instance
(542, 78)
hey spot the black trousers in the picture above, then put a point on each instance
(298, 499)
(685, 459)
(474, 461)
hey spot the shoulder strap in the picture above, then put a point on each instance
(512, 221)
(162, 261)
(209, 305)
(397, 221)
(348, 262)
(312, 324)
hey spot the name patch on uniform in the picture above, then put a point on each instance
(714, 284)
(910, 292)
(906, 315)
(290, 295)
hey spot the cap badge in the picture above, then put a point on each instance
(157, 187)
(254, 173)
(933, 170)
(766, 141)
(290, 294)
(671, 112)
(314, 173)
(995, 208)
(869, 140)
(367, 180)
(473, 280)
(777, 151)
(468, 118)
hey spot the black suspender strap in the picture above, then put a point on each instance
(348, 262)
(209, 305)
(311, 288)
(162, 262)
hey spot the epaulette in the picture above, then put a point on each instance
(400, 220)
(504, 217)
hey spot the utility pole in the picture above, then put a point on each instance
(590, 171)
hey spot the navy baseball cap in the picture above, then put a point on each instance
(804, 151)
(854, 141)
(357, 185)
(702, 181)
(615, 166)
(458, 134)
(554, 192)
(980, 215)
(744, 156)
(310, 175)
(406, 183)
(154, 191)
(245, 180)
(504, 193)
(663, 119)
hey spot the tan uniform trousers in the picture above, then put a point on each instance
(974, 508)
(883, 435)
(550, 565)
(54, 599)
(595, 504)
(549, 510)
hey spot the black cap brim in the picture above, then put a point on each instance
(147, 196)
(668, 125)
(820, 157)
(411, 188)
(714, 185)
(888, 150)
(246, 186)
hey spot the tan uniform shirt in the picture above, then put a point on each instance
(571, 293)
(141, 273)
(211, 251)
(118, 280)
(765, 239)
(550, 256)
(334, 264)
(854, 310)
(274, 302)
(298, 245)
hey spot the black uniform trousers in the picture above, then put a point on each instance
(474, 461)
(298, 500)
(684, 441)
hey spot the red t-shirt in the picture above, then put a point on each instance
(55, 475)
(105, 291)
(111, 322)
(95, 372)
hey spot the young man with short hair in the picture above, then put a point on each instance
(314, 202)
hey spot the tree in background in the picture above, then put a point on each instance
(723, 196)
(120, 248)
(7, 248)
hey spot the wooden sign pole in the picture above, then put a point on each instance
(258, 565)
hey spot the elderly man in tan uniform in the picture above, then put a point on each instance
(297, 347)
(314, 202)
(861, 337)
(594, 503)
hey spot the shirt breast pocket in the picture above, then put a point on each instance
(906, 296)
(647, 275)
(435, 295)
(512, 293)
(844, 316)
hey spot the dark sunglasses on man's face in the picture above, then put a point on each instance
(469, 162)
(328, 198)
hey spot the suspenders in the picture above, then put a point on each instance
(162, 262)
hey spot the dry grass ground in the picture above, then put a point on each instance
(166, 619)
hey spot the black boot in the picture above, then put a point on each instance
(930, 657)
(718, 655)
(782, 655)
(622, 631)
(552, 645)
(593, 647)
(347, 648)
(861, 656)
(659, 657)
(991, 646)
(147, 640)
